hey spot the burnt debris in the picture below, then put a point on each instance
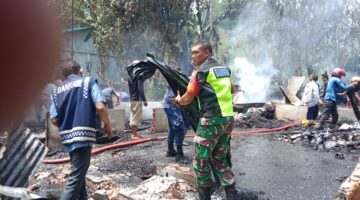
(339, 140)
(263, 117)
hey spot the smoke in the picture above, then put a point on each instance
(254, 79)
(274, 40)
(252, 65)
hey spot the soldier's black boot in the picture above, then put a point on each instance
(231, 192)
(180, 157)
(171, 151)
(179, 154)
(204, 193)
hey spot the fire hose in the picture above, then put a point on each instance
(131, 143)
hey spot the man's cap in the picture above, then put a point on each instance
(355, 79)
(325, 74)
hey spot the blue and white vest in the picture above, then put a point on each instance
(76, 110)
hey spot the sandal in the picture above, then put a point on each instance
(136, 137)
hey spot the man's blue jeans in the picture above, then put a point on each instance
(178, 125)
(312, 112)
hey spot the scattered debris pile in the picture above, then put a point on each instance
(346, 139)
(259, 118)
(178, 171)
(158, 187)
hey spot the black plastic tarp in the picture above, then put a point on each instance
(351, 95)
(176, 80)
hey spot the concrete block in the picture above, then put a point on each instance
(288, 111)
(177, 171)
(117, 119)
(346, 114)
(124, 106)
(159, 121)
(298, 113)
(147, 111)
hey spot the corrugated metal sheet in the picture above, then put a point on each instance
(23, 153)
(294, 84)
(292, 98)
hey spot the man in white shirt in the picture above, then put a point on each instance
(311, 97)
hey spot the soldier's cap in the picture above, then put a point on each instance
(355, 79)
(325, 74)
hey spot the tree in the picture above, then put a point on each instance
(130, 28)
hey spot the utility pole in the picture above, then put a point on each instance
(72, 29)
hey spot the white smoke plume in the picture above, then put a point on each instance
(254, 79)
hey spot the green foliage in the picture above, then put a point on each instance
(299, 36)
(130, 28)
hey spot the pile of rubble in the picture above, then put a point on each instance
(346, 139)
(165, 182)
(158, 187)
(259, 118)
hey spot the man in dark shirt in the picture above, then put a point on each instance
(353, 96)
(137, 98)
(325, 79)
(108, 94)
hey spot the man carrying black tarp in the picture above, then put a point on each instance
(353, 95)
(211, 84)
(137, 99)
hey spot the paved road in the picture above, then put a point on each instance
(282, 171)
(285, 171)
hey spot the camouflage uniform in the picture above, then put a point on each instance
(212, 145)
(211, 84)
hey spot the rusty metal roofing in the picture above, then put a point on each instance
(23, 153)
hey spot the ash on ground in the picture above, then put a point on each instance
(134, 165)
(259, 118)
(341, 141)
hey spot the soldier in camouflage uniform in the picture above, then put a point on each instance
(211, 86)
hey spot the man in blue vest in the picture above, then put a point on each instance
(73, 109)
